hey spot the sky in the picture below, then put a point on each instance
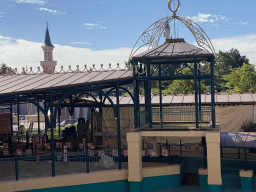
(102, 32)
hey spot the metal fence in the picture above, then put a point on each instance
(178, 117)
(16, 168)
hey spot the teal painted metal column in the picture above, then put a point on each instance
(11, 118)
(59, 114)
(160, 96)
(199, 96)
(45, 124)
(118, 125)
(135, 95)
(52, 136)
(149, 95)
(138, 100)
(212, 92)
(18, 114)
(245, 159)
(196, 91)
(38, 120)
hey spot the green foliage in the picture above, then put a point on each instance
(249, 126)
(241, 79)
(225, 63)
(3, 68)
(183, 86)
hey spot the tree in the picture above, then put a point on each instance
(3, 68)
(241, 79)
(183, 86)
(225, 62)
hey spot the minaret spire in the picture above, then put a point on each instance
(47, 37)
(48, 64)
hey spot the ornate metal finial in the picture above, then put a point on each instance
(175, 10)
(174, 13)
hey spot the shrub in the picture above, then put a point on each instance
(249, 126)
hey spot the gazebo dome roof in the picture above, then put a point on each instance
(173, 48)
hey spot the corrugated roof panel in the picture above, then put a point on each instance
(34, 85)
(126, 100)
(127, 74)
(240, 139)
(155, 99)
(13, 85)
(203, 98)
(222, 98)
(250, 140)
(71, 79)
(142, 99)
(165, 50)
(8, 79)
(86, 78)
(230, 139)
(31, 83)
(222, 139)
(177, 99)
(116, 74)
(254, 97)
(167, 99)
(101, 77)
(152, 52)
(56, 79)
(178, 50)
(234, 97)
(130, 102)
(173, 48)
(208, 99)
(246, 97)
(189, 99)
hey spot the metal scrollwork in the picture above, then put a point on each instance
(152, 35)
(141, 69)
(204, 67)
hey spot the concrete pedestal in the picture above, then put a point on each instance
(246, 180)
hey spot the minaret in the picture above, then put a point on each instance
(48, 64)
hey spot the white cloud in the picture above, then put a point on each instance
(39, 2)
(93, 26)
(18, 53)
(245, 23)
(21, 53)
(80, 43)
(11, 6)
(54, 12)
(245, 44)
(207, 18)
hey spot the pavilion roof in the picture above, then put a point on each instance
(173, 48)
(22, 83)
(189, 99)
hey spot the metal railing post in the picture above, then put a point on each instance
(65, 155)
(180, 148)
(245, 158)
(16, 168)
(87, 160)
